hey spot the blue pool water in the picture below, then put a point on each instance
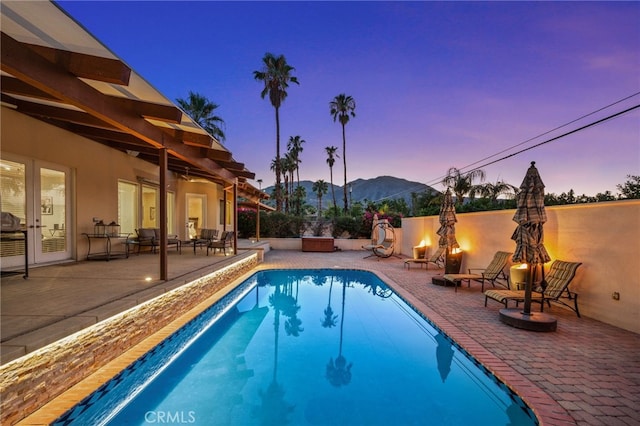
(305, 347)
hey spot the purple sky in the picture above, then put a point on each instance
(437, 84)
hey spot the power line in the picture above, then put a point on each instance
(553, 130)
(595, 123)
(439, 179)
(586, 126)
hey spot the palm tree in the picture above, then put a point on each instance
(276, 75)
(341, 107)
(319, 188)
(294, 146)
(461, 184)
(331, 159)
(287, 167)
(201, 110)
(493, 190)
(277, 164)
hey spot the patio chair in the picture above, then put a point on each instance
(225, 241)
(150, 237)
(172, 240)
(437, 258)
(206, 237)
(556, 288)
(146, 238)
(492, 273)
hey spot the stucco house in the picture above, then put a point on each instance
(86, 140)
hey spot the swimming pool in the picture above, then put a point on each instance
(305, 347)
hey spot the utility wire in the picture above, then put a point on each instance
(586, 126)
(552, 130)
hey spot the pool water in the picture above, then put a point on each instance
(305, 347)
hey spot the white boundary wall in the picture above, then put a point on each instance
(605, 237)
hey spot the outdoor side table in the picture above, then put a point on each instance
(103, 246)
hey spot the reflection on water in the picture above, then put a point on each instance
(264, 362)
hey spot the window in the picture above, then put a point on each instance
(127, 207)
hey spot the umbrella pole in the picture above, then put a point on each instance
(527, 290)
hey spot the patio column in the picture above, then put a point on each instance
(235, 216)
(163, 161)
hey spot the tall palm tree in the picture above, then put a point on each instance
(462, 183)
(319, 188)
(288, 167)
(201, 110)
(278, 164)
(341, 108)
(294, 146)
(276, 76)
(331, 159)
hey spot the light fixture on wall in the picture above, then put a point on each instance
(132, 153)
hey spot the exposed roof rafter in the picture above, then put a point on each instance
(21, 61)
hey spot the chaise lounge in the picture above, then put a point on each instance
(557, 282)
(492, 273)
(437, 259)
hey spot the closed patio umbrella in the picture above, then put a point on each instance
(447, 230)
(447, 218)
(529, 237)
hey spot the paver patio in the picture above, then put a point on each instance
(590, 368)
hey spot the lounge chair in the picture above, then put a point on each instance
(492, 273)
(556, 287)
(382, 240)
(225, 241)
(437, 258)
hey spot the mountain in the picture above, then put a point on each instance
(376, 189)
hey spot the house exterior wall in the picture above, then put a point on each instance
(95, 171)
(605, 237)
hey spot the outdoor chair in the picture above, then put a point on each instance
(150, 237)
(437, 259)
(206, 237)
(146, 238)
(491, 274)
(172, 240)
(225, 241)
(554, 288)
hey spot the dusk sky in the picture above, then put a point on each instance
(436, 84)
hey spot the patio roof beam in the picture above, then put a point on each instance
(33, 69)
(191, 138)
(166, 113)
(86, 66)
(52, 112)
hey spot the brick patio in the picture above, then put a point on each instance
(585, 373)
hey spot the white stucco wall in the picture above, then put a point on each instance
(605, 237)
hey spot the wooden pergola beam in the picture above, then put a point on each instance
(166, 113)
(28, 66)
(86, 66)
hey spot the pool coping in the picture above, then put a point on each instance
(545, 408)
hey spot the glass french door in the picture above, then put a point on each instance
(37, 193)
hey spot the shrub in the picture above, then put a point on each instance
(247, 223)
(281, 225)
(349, 225)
